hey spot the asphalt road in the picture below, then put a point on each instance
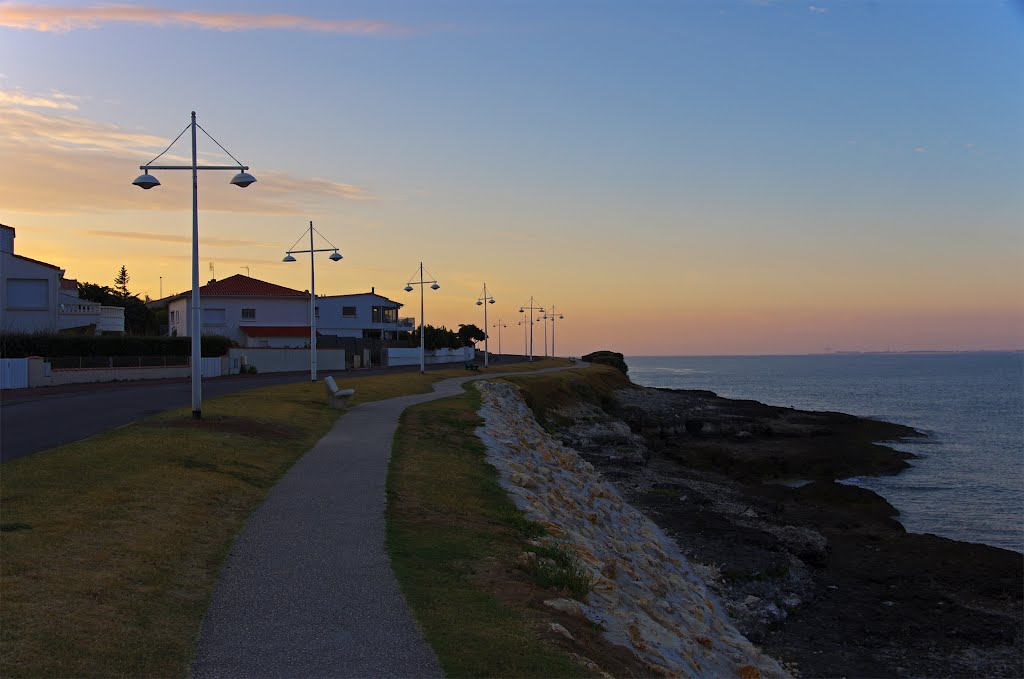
(39, 419)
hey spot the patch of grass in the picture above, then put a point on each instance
(596, 384)
(448, 518)
(557, 568)
(111, 546)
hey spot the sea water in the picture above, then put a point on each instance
(968, 480)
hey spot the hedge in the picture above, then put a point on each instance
(19, 345)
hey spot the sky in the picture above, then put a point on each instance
(674, 177)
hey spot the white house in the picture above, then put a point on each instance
(35, 296)
(365, 314)
(250, 311)
(256, 313)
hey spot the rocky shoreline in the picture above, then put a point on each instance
(820, 574)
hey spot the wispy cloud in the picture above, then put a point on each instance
(96, 162)
(920, 149)
(53, 100)
(61, 19)
(818, 10)
(171, 238)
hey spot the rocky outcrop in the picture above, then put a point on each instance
(612, 358)
(819, 573)
(643, 593)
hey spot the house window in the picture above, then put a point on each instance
(390, 314)
(214, 317)
(348, 312)
(316, 311)
(174, 317)
(375, 314)
(248, 314)
(27, 293)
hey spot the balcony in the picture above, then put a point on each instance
(80, 314)
(406, 323)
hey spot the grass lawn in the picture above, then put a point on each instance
(452, 533)
(110, 547)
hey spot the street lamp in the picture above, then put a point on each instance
(335, 256)
(552, 316)
(499, 325)
(524, 323)
(533, 309)
(148, 181)
(408, 288)
(484, 300)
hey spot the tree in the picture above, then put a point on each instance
(121, 284)
(470, 334)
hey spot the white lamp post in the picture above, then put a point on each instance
(533, 309)
(408, 288)
(484, 300)
(499, 325)
(335, 256)
(552, 316)
(148, 181)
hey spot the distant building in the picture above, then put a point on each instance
(366, 315)
(35, 297)
(257, 313)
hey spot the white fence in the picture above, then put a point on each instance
(397, 356)
(13, 373)
(211, 367)
(271, 360)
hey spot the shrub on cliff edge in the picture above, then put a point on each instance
(612, 358)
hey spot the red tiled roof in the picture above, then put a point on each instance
(243, 286)
(275, 330)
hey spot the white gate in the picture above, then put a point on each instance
(210, 367)
(13, 373)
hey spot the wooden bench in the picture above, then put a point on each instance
(472, 366)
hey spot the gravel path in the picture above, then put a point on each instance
(307, 590)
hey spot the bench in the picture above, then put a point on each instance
(333, 391)
(472, 366)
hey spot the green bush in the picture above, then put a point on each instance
(47, 345)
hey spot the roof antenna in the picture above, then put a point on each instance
(213, 274)
(246, 270)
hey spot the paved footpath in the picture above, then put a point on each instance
(307, 590)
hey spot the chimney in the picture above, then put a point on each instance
(372, 290)
(212, 280)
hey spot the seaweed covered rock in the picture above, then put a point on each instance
(612, 358)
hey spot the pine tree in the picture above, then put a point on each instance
(121, 283)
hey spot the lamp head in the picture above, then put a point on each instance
(560, 316)
(520, 310)
(478, 302)
(146, 181)
(492, 300)
(288, 258)
(540, 310)
(408, 288)
(243, 179)
(435, 286)
(335, 256)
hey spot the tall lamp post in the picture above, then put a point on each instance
(408, 288)
(147, 181)
(335, 256)
(499, 325)
(484, 300)
(552, 316)
(524, 323)
(533, 309)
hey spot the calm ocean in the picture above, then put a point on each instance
(968, 483)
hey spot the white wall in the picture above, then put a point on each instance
(396, 356)
(17, 312)
(289, 360)
(269, 311)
